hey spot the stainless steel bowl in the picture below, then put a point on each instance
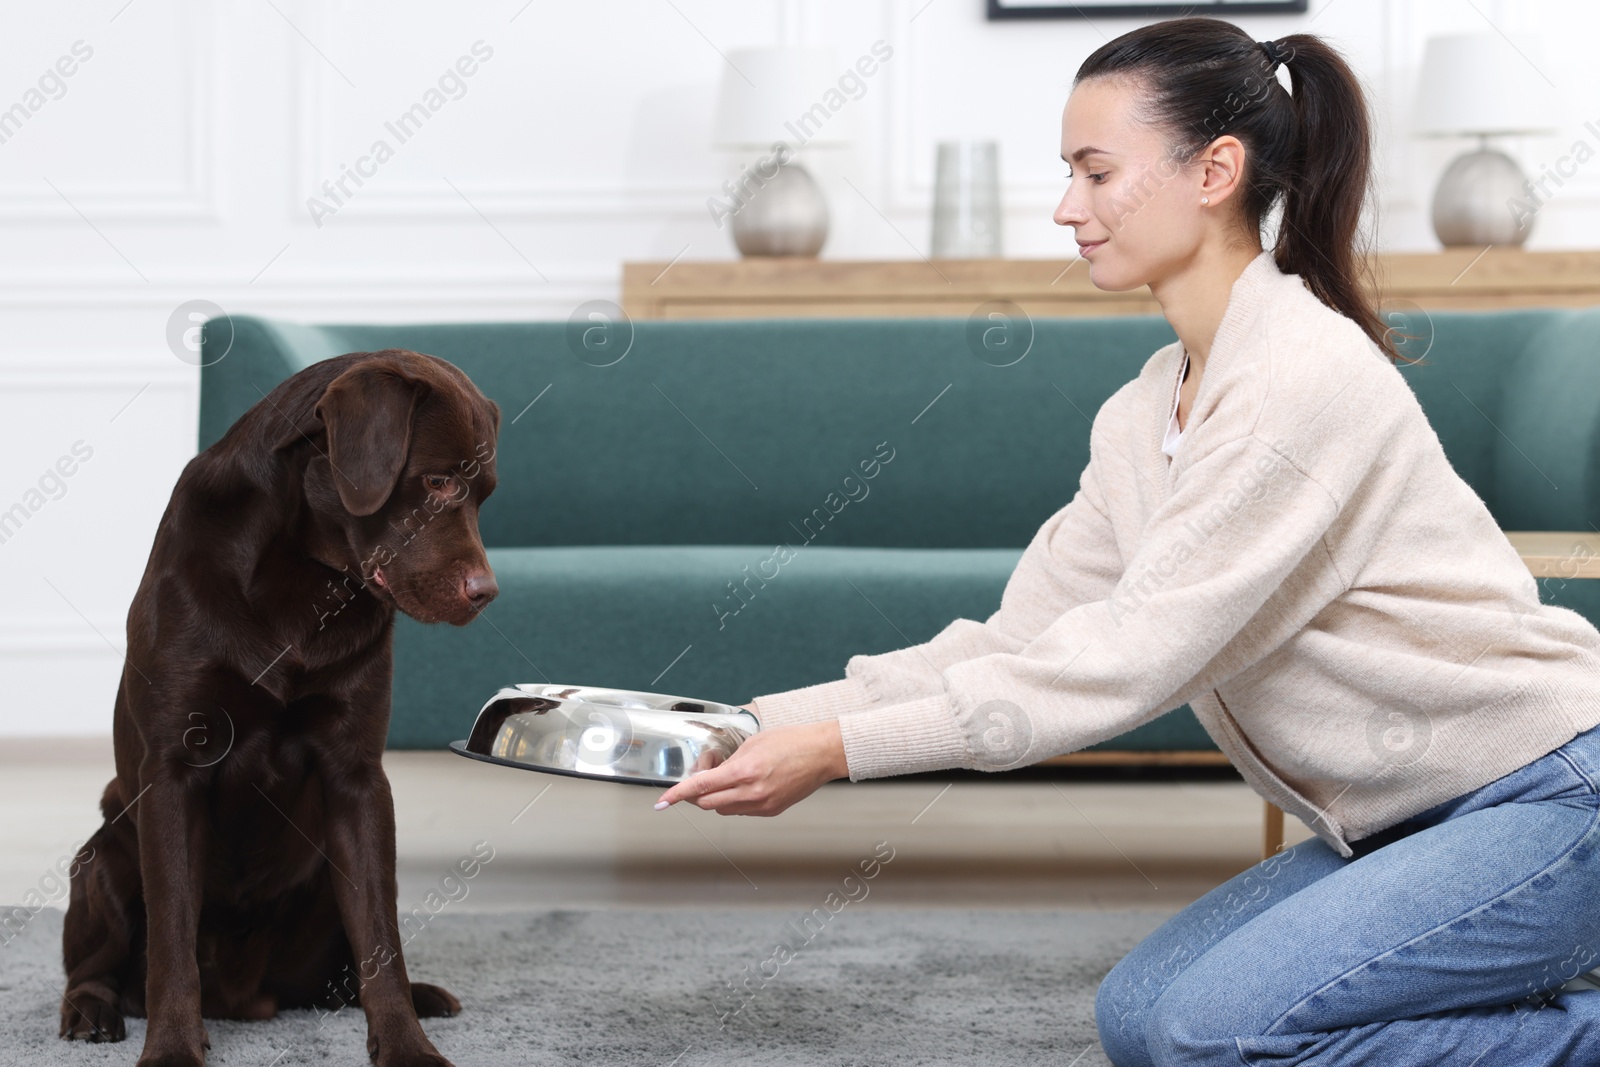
(618, 735)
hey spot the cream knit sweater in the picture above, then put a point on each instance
(1309, 573)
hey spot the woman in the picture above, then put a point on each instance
(1301, 564)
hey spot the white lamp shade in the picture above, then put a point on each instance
(1482, 83)
(789, 93)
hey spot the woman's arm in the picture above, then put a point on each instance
(1244, 526)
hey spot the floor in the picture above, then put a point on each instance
(1021, 840)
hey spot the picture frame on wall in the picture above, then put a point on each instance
(1055, 9)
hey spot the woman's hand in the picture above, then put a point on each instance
(770, 771)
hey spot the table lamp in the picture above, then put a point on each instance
(1482, 85)
(772, 102)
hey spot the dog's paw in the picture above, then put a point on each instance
(86, 1017)
(176, 1046)
(432, 1002)
(172, 1059)
(405, 1053)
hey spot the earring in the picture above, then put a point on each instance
(1205, 200)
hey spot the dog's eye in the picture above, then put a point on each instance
(437, 482)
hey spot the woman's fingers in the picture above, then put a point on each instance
(700, 783)
(725, 801)
(731, 800)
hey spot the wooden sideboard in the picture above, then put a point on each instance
(772, 287)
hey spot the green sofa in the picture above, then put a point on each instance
(736, 507)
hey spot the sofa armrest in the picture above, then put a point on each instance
(1546, 430)
(243, 358)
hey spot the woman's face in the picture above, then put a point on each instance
(1125, 191)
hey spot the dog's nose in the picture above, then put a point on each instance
(479, 588)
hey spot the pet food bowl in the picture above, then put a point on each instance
(616, 735)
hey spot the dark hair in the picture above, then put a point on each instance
(1200, 78)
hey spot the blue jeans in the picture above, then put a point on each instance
(1442, 942)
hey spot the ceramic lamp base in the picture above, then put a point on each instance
(785, 216)
(1473, 205)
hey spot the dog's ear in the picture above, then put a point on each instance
(366, 413)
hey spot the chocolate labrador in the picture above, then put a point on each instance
(247, 858)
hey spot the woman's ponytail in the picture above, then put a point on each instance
(1310, 147)
(1319, 234)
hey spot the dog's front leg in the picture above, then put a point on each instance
(361, 845)
(171, 865)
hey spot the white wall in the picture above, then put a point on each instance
(178, 161)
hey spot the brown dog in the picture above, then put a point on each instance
(247, 858)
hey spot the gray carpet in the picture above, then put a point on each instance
(870, 986)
